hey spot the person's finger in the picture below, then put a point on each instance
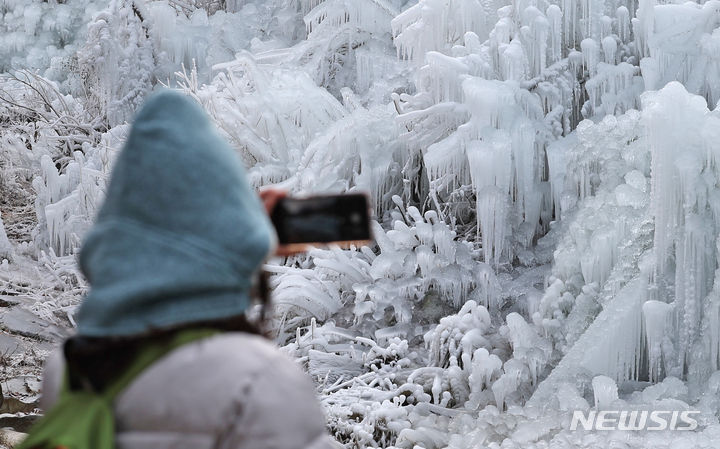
(291, 250)
(270, 197)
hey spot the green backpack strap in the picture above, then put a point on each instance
(85, 420)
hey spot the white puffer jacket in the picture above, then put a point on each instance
(232, 391)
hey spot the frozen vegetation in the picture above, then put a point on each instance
(544, 176)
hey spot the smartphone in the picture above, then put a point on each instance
(322, 219)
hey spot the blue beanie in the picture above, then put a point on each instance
(180, 233)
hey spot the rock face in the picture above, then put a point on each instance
(20, 381)
(10, 439)
(25, 341)
(18, 321)
(18, 423)
(12, 405)
(10, 344)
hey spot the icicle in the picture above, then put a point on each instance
(504, 28)
(613, 89)
(486, 281)
(499, 39)
(663, 112)
(694, 268)
(570, 21)
(443, 237)
(447, 158)
(471, 15)
(365, 69)
(446, 74)
(492, 221)
(557, 166)
(512, 62)
(51, 178)
(431, 25)
(6, 249)
(685, 215)
(605, 392)
(609, 46)
(597, 263)
(644, 25)
(656, 317)
(31, 18)
(591, 14)
(525, 188)
(612, 346)
(490, 162)
(337, 13)
(490, 173)
(527, 345)
(713, 332)
(307, 5)
(555, 16)
(575, 61)
(605, 27)
(540, 29)
(507, 383)
(623, 23)
(591, 55)
(484, 370)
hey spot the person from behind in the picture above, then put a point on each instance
(170, 260)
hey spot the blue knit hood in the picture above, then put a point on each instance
(180, 233)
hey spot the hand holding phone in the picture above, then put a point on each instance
(341, 219)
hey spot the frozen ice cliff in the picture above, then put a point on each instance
(544, 176)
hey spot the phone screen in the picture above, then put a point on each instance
(322, 219)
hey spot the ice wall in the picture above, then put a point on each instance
(348, 34)
(685, 206)
(664, 321)
(347, 45)
(67, 201)
(514, 127)
(118, 61)
(433, 25)
(494, 126)
(565, 61)
(204, 37)
(43, 36)
(268, 113)
(679, 42)
(497, 105)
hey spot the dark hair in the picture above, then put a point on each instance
(94, 362)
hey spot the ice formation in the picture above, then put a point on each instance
(119, 39)
(474, 88)
(39, 35)
(680, 50)
(605, 391)
(659, 315)
(546, 231)
(656, 316)
(433, 25)
(6, 249)
(267, 116)
(683, 202)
